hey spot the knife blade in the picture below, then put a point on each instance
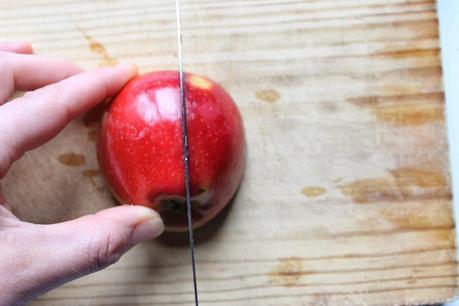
(185, 151)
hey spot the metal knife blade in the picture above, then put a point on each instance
(185, 151)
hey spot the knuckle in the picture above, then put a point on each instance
(71, 68)
(104, 249)
(33, 95)
(47, 92)
(52, 94)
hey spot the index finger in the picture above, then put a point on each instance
(16, 47)
(38, 116)
(26, 72)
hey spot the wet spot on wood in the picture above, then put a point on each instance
(99, 49)
(413, 109)
(313, 191)
(92, 135)
(437, 217)
(410, 115)
(397, 185)
(416, 177)
(94, 115)
(367, 190)
(92, 174)
(287, 273)
(270, 96)
(403, 54)
(71, 159)
(447, 236)
(431, 73)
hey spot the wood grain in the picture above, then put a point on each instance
(346, 198)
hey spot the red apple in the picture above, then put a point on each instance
(140, 149)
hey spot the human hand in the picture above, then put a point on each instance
(36, 258)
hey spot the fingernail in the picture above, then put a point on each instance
(23, 46)
(145, 213)
(148, 229)
(131, 69)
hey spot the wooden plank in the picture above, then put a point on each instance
(346, 198)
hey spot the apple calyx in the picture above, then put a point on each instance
(176, 204)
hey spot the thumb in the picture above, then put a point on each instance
(61, 252)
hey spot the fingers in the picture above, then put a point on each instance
(55, 254)
(28, 72)
(38, 116)
(16, 47)
(96, 241)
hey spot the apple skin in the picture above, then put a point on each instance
(140, 148)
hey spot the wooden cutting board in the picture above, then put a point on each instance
(346, 198)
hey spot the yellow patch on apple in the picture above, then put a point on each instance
(200, 82)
